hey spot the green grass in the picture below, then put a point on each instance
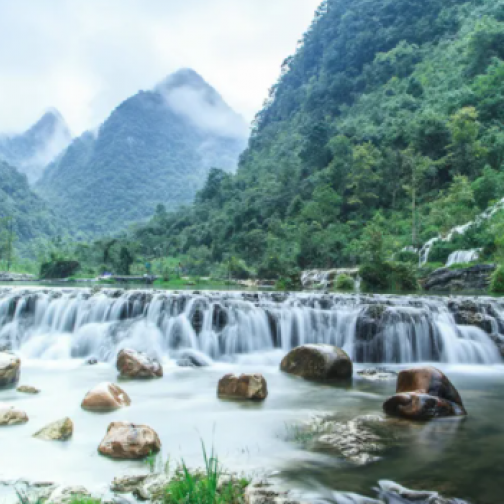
(203, 487)
(304, 434)
(193, 282)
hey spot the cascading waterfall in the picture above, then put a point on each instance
(463, 256)
(79, 323)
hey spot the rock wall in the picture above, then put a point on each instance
(475, 278)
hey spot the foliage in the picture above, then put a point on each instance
(344, 283)
(58, 268)
(497, 281)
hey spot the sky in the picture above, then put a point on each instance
(86, 56)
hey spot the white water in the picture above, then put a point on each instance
(487, 214)
(463, 256)
(51, 324)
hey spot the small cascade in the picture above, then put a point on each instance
(79, 323)
(463, 256)
(324, 279)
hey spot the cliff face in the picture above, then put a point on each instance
(474, 278)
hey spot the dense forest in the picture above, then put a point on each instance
(150, 150)
(383, 130)
(26, 222)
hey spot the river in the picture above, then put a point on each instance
(56, 330)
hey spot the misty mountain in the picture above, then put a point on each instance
(31, 217)
(30, 152)
(156, 147)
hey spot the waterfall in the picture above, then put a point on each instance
(463, 256)
(44, 323)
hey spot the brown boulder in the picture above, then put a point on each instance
(133, 364)
(27, 389)
(129, 441)
(10, 369)
(61, 430)
(422, 394)
(247, 386)
(105, 397)
(318, 362)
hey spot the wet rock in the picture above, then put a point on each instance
(105, 397)
(377, 374)
(318, 362)
(27, 389)
(191, 358)
(9, 415)
(91, 362)
(499, 341)
(152, 488)
(129, 441)
(10, 369)
(484, 322)
(61, 430)
(133, 364)
(265, 492)
(422, 394)
(65, 495)
(126, 484)
(389, 491)
(473, 278)
(247, 386)
(355, 440)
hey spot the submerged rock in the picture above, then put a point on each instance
(61, 430)
(389, 491)
(377, 374)
(133, 364)
(27, 389)
(422, 394)
(65, 495)
(129, 441)
(246, 386)
(105, 397)
(318, 362)
(9, 415)
(191, 358)
(265, 492)
(10, 369)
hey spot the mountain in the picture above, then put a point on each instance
(384, 129)
(30, 152)
(31, 217)
(155, 148)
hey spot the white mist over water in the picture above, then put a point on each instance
(55, 324)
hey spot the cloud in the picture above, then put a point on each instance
(84, 57)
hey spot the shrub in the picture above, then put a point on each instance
(407, 256)
(344, 282)
(58, 269)
(395, 276)
(497, 281)
(402, 277)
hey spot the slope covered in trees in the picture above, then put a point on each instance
(388, 122)
(156, 147)
(25, 220)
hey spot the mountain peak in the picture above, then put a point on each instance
(185, 77)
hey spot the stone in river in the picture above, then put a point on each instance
(318, 362)
(133, 364)
(422, 394)
(61, 430)
(9, 415)
(105, 397)
(10, 369)
(246, 386)
(129, 441)
(27, 389)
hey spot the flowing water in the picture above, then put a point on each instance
(56, 330)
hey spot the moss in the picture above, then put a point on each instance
(344, 283)
(497, 281)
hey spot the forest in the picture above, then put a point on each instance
(385, 129)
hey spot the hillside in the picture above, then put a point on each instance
(31, 219)
(384, 129)
(155, 148)
(30, 152)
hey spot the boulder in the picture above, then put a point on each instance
(60, 430)
(133, 364)
(422, 394)
(129, 441)
(318, 362)
(26, 389)
(10, 369)
(9, 415)
(126, 484)
(66, 495)
(105, 397)
(246, 386)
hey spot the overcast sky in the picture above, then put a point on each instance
(85, 56)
